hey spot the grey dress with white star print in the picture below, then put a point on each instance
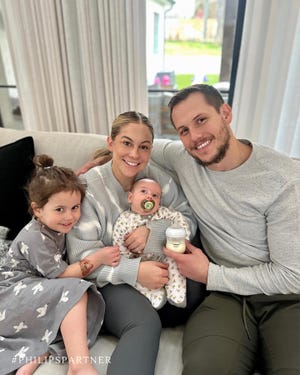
(33, 301)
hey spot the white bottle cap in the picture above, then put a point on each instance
(175, 232)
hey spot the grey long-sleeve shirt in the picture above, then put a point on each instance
(105, 200)
(249, 218)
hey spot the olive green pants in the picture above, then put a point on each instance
(231, 334)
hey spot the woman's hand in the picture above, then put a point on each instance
(153, 275)
(193, 264)
(136, 240)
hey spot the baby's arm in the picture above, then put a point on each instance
(125, 224)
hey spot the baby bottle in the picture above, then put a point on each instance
(176, 238)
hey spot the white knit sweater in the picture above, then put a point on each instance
(105, 200)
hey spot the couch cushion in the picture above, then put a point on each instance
(16, 167)
(168, 362)
(67, 149)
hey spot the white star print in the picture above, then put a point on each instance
(37, 288)
(24, 248)
(42, 310)
(46, 335)
(21, 352)
(20, 326)
(19, 287)
(64, 297)
(2, 315)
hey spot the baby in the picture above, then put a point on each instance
(144, 199)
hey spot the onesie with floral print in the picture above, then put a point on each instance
(175, 290)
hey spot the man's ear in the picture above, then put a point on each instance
(226, 113)
(36, 210)
(109, 142)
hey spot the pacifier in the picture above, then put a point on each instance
(147, 204)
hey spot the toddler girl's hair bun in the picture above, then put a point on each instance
(43, 161)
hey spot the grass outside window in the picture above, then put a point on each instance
(192, 48)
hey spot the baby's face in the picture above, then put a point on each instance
(145, 197)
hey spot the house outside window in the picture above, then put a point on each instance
(196, 46)
(156, 33)
(188, 41)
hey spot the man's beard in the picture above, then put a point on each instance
(221, 151)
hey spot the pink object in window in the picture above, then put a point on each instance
(166, 81)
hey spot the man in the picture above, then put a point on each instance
(246, 198)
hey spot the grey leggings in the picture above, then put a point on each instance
(131, 317)
(227, 333)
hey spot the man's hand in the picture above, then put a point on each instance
(93, 163)
(193, 264)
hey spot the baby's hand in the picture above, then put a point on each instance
(136, 240)
(110, 255)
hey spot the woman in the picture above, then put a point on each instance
(129, 315)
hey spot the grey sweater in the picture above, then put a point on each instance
(105, 200)
(249, 218)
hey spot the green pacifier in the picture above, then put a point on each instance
(147, 205)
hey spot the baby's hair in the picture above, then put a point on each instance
(147, 179)
(49, 179)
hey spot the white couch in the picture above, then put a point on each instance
(73, 150)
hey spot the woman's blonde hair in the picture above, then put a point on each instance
(119, 122)
(126, 118)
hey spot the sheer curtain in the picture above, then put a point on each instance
(266, 101)
(78, 64)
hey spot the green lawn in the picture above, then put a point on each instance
(173, 48)
(192, 48)
(184, 80)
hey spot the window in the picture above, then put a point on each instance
(199, 45)
(156, 34)
(10, 113)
